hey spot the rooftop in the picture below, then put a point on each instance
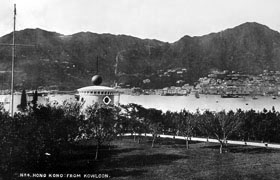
(92, 88)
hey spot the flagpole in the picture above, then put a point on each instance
(13, 63)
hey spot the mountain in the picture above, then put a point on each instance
(249, 48)
(68, 62)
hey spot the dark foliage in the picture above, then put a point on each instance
(33, 140)
(101, 125)
(39, 138)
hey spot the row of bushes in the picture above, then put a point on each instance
(32, 139)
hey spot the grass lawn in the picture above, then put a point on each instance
(170, 160)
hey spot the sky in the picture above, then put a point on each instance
(165, 20)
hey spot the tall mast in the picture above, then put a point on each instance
(13, 63)
(116, 70)
(97, 65)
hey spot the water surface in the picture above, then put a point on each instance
(176, 103)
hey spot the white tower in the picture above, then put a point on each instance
(90, 95)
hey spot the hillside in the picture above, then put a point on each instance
(69, 61)
(249, 48)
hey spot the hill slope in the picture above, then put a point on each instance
(70, 61)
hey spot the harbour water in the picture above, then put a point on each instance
(205, 102)
(177, 103)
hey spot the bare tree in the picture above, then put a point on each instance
(155, 128)
(186, 125)
(220, 125)
(154, 118)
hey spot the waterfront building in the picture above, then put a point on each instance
(90, 95)
(175, 91)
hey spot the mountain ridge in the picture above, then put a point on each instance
(68, 61)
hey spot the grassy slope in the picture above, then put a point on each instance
(170, 160)
(202, 161)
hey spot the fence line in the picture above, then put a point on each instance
(209, 140)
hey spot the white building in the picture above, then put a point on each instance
(98, 94)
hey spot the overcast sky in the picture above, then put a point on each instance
(165, 20)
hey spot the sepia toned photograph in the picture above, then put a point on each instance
(140, 89)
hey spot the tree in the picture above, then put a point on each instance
(136, 116)
(155, 129)
(124, 121)
(23, 101)
(186, 125)
(175, 121)
(154, 118)
(35, 99)
(266, 127)
(248, 125)
(169, 122)
(71, 121)
(101, 124)
(220, 125)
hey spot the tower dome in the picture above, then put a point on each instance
(96, 80)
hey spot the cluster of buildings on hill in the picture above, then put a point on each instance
(179, 72)
(175, 90)
(167, 91)
(154, 80)
(233, 83)
(224, 83)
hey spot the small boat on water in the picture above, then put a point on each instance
(254, 98)
(229, 96)
(167, 94)
(273, 97)
(197, 94)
